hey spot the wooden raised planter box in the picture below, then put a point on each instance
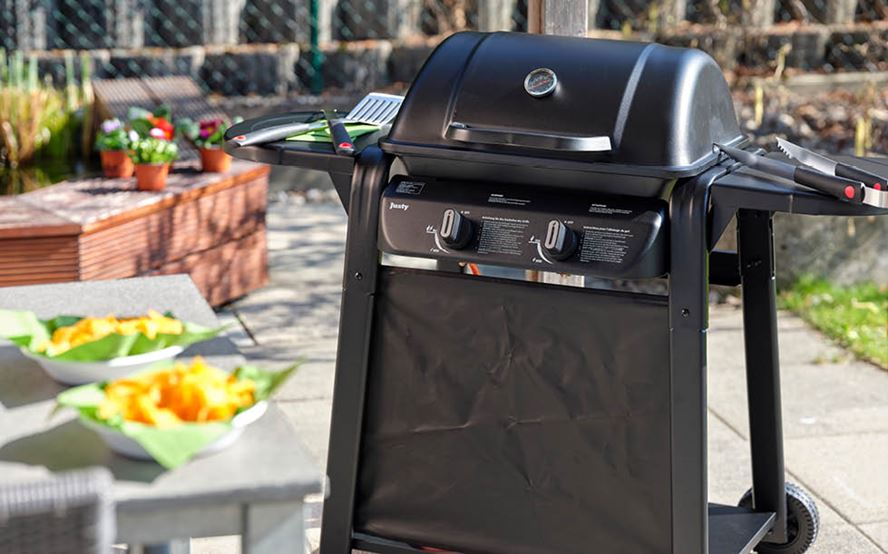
(211, 226)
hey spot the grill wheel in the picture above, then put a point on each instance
(802, 522)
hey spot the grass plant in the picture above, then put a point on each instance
(38, 120)
(855, 316)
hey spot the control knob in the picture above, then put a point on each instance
(456, 230)
(560, 242)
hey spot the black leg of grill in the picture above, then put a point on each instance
(756, 245)
(359, 285)
(688, 319)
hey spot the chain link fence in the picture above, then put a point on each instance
(283, 47)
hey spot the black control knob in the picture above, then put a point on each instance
(560, 242)
(455, 230)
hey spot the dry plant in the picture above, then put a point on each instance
(35, 117)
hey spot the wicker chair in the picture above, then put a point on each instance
(68, 513)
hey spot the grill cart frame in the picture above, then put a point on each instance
(699, 208)
(696, 525)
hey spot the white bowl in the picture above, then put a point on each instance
(81, 373)
(121, 444)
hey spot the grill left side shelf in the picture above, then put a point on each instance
(211, 226)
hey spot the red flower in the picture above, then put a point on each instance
(164, 125)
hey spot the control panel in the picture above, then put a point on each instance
(526, 227)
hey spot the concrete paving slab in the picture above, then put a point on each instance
(848, 470)
(311, 419)
(313, 381)
(216, 545)
(280, 314)
(878, 533)
(234, 330)
(819, 397)
(730, 476)
(730, 472)
(843, 539)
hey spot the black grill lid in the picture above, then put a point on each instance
(643, 109)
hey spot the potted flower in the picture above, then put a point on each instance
(208, 136)
(143, 121)
(153, 156)
(113, 143)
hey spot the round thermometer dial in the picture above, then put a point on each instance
(540, 82)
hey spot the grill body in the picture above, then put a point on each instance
(483, 415)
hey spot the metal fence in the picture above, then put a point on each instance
(274, 47)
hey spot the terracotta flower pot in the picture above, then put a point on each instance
(116, 164)
(151, 177)
(214, 160)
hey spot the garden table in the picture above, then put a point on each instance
(255, 488)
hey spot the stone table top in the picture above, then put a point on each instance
(84, 205)
(267, 464)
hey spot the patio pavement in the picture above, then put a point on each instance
(835, 408)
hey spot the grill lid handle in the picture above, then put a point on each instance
(544, 141)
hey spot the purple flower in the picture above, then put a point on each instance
(111, 125)
(205, 133)
(157, 133)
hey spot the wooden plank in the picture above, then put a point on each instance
(226, 272)
(36, 280)
(210, 225)
(114, 97)
(19, 219)
(175, 233)
(93, 204)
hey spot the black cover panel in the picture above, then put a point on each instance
(513, 417)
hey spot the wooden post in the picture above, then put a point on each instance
(495, 15)
(592, 11)
(758, 13)
(840, 11)
(672, 12)
(558, 17)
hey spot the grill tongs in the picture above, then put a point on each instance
(849, 190)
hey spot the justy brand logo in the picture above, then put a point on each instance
(393, 206)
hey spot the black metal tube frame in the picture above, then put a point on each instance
(755, 234)
(688, 320)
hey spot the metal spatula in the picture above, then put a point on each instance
(374, 109)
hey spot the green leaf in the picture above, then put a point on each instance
(171, 446)
(266, 381)
(23, 328)
(174, 446)
(84, 396)
(26, 330)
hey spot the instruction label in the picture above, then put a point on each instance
(605, 244)
(605, 209)
(496, 198)
(502, 235)
(410, 187)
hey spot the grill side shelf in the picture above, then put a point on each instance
(306, 155)
(750, 189)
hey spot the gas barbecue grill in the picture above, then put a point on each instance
(477, 414)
